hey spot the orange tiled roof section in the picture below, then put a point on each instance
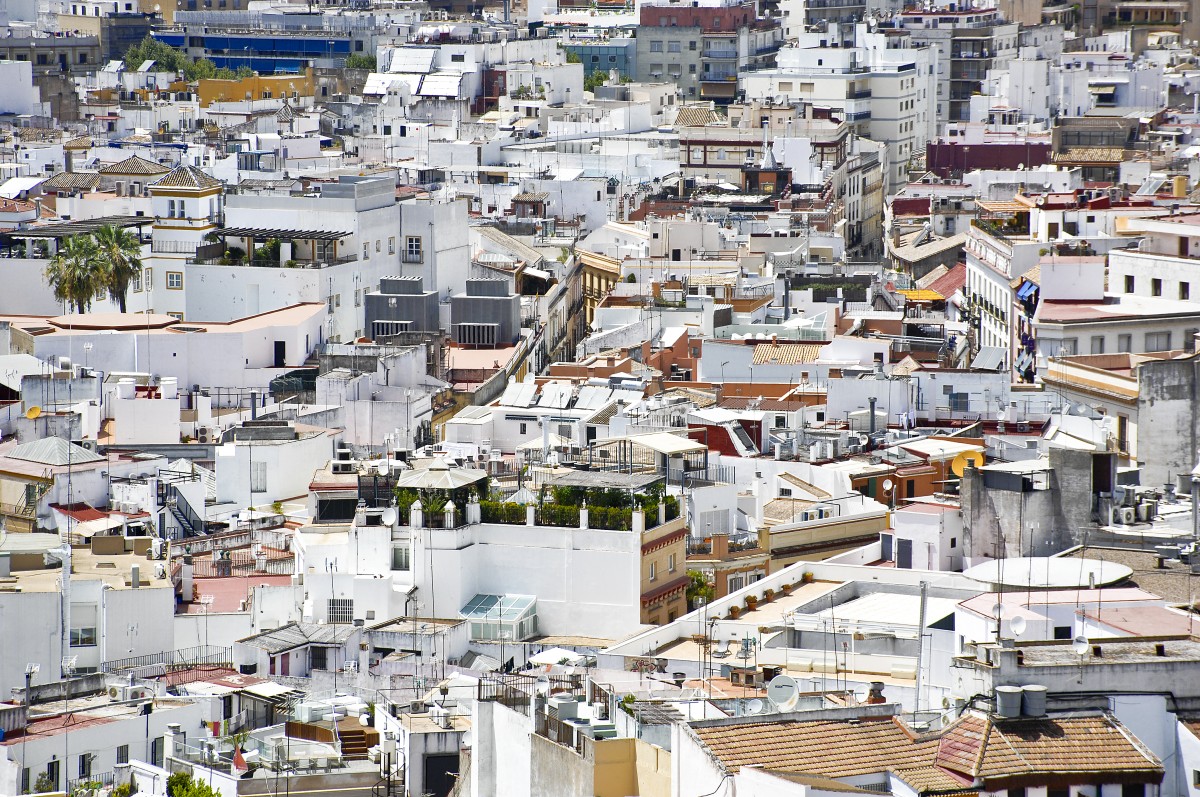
(975, 751)
(1096, 743)
(832, 748)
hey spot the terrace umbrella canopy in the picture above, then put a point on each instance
(439, 476)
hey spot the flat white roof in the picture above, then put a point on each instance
(1047, 572)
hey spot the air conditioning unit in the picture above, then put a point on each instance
(205, 435)
(116, 694)
(138, 693)
(1125, 515)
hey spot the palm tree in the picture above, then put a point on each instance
(120, 253)
(75, 272)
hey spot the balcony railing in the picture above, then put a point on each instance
(413, 257)
(271, 263)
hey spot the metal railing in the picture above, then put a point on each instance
(563, 733)
(89, 782)
(187, 657)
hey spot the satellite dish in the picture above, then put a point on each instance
(1079, 645)
(997, 609)
(1018, 625)
(967, 459)
(783, 692)
(542, 685)
(467, 739)
(33, 412)
(755, 706)
(888, 485)
(382, 467)
(388, 517)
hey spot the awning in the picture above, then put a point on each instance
(537, 273)
(1026, 289)
(556, 656)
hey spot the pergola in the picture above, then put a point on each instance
(307, 253)
(54, 233)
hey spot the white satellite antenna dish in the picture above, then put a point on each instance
(1080, 645)
(542, 685)
(382, 467)
(755, 706)
(1017, 624)
(783, 692)
(888, 485)
(388, 518)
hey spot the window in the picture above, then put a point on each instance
(170, 208)
(135, 283)
(780, 421)
(85, 765)
(785, 492)
(176, 316)
(174, 280)
(258, 477)
(123, 754)
(366, 250)
(1156, 287)
(83, 637)
(401, 557)
(1158, 341)
(671, 563)
(1097, 344)
(458, 58)
(736, 583)
(1124, 343)
(785, 86)
(653, 571)
(523, 429)
(954, 542)
(692, 45)
(1062, 632)
(392, 245)
(674, 47)
(656, 47)
(413, 250)
(341, 610)
(1195, 777)
(317, 658)
(1133, 790)
(358, 297)
(1129, 283)
(1185, 291)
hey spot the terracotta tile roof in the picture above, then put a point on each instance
(977, 751)
(15, 206)
(962, 745)
(696, 116)
(187, 177)
(786, 353)
(71, 181)
(829, 748)
(1090, 155)
(135, 165)
(1096, 743)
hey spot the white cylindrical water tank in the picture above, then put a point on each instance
(1008, 701)
(168, 388)
(125, 388)
(1034, 704)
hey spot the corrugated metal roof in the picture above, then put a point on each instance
(53, 451)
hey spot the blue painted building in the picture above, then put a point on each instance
(604, 55)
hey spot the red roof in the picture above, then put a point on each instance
(80, 512)
(229, 591)
(951, 281)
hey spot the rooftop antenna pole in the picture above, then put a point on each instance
(920, 646)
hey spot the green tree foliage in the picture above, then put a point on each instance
(698, 587)
(76, 273)
(360, 61)
(120, 254)
(168, 59)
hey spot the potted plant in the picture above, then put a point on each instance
(807, 578)
(734, 612)
(786, 589)
(768, 596)
(751, 602)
